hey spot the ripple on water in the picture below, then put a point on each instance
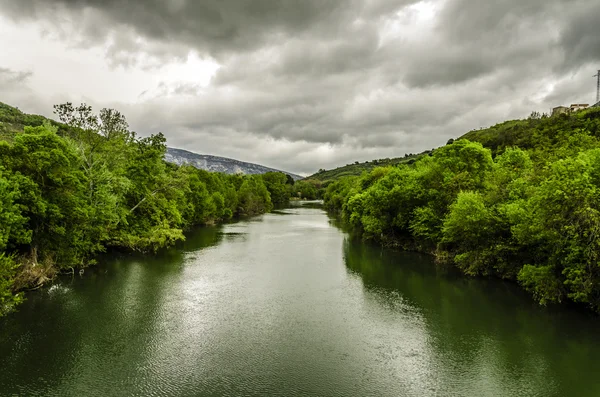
(58, 289)
(285, 305)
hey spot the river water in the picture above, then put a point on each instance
(286, 304)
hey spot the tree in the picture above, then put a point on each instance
(52, 195)
(13, 232)
(14, 225)
(276, 183)
(65, 197)
(254, 197)
(306, 189)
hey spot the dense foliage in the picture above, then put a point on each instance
(308, 189)
(70, 190)
(522, 204)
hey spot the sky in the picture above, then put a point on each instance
(300, 85)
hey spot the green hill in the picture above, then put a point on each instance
(12, 120)
(356, 169)
(536, 131)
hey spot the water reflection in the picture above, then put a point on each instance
(85, 327)
(287, 304)
(487, 337)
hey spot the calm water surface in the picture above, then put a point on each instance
(287, 305)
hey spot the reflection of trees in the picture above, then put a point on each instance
(95, 333)
(487, 334)
(199, 239)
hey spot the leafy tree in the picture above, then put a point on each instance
(531, 214)
(276, 183)
(68, 191)
(52, 194)
(306, 189)
(12, 232)
(8, 298)
(254, 197)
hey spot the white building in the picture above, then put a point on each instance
(579, 106)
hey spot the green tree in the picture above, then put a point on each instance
(254, 197)
(13, 232)
(276, 183)
(52, 195)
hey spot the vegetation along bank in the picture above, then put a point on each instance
(71, 190)
(519, 201)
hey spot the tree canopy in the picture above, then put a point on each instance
(71, 190)
(522, 204)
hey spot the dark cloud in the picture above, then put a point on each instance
(307, 84)
(217, 27)
(500, 21)
(580, 39)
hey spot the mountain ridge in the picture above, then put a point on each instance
(212, 163)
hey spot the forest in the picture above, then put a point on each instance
(519, 201)
(73, 189)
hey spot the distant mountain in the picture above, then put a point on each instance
(218, 164)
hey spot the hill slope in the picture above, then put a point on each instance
(357, 168)
(218, 164)
(12, 120)
(526, 134)
(537, 132)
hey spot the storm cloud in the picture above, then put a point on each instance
(303, 85)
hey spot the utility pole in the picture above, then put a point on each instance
(598, 87)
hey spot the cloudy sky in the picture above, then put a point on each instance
(301, 84)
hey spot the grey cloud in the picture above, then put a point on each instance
(580, 38)
(9, 77)
(216, 27)
(567, 25)
(310, 84)
(474, 39)
(16, 90)
(473, 20)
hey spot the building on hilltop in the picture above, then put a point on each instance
(579, 106)
(560, 110)
(575, 107)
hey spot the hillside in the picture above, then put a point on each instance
(13, 120)
(537, 131)
(218, 164)
(529, 133)
(357, 168)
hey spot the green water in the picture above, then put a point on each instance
(287, 305)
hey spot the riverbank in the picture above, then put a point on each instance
(72, 190)
(32, 274)
(493, 217)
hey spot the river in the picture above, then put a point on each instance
(287, 304)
